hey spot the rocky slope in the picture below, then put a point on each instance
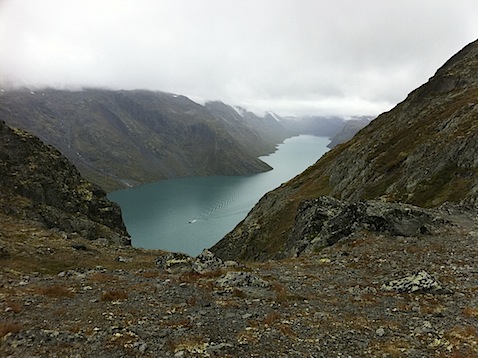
(369, 295)
(39, 184)
(422, 152)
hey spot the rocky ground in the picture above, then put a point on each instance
(62, 297)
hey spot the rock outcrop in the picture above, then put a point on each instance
(206, 261)
(39, 184)
(241, 279)
(422, 152)
(324, 221)
(420, 282)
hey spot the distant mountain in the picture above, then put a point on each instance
(422, 152)
(249, 129)
(348, 131)
(121, 138)
(125, 138)
(38, 184)
(327, 126)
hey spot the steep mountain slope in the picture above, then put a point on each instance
(422, 152)
(38, 184)
(250, 130)
(120, 138)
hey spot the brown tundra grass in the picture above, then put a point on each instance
(15, 307)
(9, 327)
(271, 318)
(470, 312)
(114, 295)
(54, 291)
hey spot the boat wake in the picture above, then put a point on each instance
(216, 209)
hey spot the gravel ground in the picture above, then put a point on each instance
(114, 302)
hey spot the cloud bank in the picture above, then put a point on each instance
(341, 57)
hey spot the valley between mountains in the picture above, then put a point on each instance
(371, 252)
(120, 139)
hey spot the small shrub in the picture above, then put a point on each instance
(194, 277)
(271, 318)
(181, 323)
(369, 297)
(238, 293)
(114, 295)
(9, 327)
(287, 330)
(207, 285)
(189, 277)
(15, 307)
(470, 312)
(283, 296)
(278, 288)
(191, 300)
(55, 291)
(460, 337)
(190, 344)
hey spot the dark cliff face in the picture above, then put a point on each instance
(39, 184)
(422, 152)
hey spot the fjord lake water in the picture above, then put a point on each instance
(190, 214)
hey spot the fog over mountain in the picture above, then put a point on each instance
(295, 58)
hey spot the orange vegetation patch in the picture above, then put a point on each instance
(114, 295)
(54, 291)
(9, 327)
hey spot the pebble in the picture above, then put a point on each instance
(380, 332)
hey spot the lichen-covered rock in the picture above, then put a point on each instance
(323, 221)
(174, 262)
(207, 261)
(38, 183)
(242, 279)
(421, 281)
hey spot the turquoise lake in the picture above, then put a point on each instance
(190, 214)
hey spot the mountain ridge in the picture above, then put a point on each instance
(422, 152)
(122, 138)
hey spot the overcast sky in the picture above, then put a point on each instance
(293, 57)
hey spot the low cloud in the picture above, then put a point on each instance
(292, 57)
